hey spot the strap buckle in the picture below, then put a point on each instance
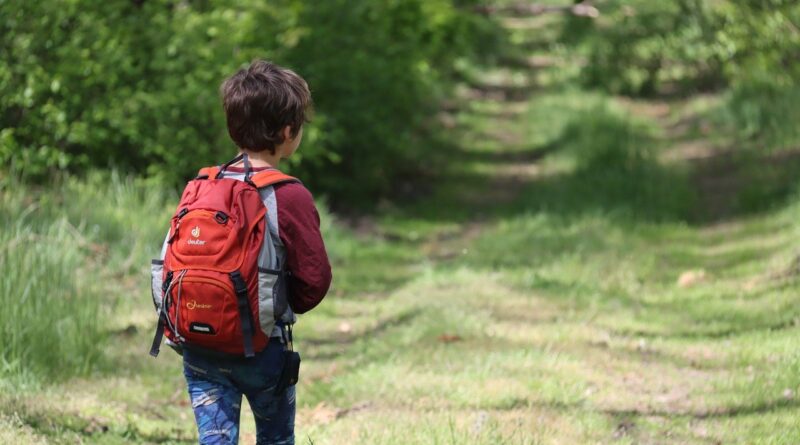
(239, 286)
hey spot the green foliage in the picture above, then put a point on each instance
(764, 112)
(637, 47)
(134, 84)
(760, 39)
(763, 42)
(678, 47)
(643, 47)
(93, 84)
(376, 69)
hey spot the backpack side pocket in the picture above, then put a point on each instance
(272, 301)
(156, 283)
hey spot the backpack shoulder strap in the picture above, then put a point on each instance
(261, 179)
(208, 172)
(271, 177)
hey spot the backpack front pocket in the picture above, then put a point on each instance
(206, 239)
(205, 311)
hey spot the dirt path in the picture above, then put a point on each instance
(630, 380)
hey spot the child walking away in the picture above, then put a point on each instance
(242, 256)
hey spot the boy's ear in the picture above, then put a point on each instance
(287, 133)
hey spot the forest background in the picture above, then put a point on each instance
(606, 190)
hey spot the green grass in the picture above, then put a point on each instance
(529, 296)
(555, 318)
(67, 256)
(570, 324)
(48, 323)
(579, 325)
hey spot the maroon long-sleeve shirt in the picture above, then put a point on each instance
(306, 258)
(298, 222)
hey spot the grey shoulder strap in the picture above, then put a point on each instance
(271, 254)
(164, 246)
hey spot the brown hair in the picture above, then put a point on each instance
(260, 101)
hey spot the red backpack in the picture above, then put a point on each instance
(209, 291)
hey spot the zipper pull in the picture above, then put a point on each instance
(175, 233)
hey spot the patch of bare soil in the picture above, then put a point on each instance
(720, 175)
(655, 109)
(718, 184)
(324, 413)
(449, 246)
(691, 151)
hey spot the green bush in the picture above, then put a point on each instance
(764, 112)
(135, 84)
(643, 47)
(376, 85)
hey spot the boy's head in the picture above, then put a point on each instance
(265, 105)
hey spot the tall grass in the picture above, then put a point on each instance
(49, 323)
(62, 252)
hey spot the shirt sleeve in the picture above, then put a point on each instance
(306, 258)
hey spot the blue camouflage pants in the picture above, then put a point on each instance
(216, 387)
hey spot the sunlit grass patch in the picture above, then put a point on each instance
(14, 430)
(758, 428)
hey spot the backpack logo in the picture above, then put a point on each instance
(196, 234)
(192, 305)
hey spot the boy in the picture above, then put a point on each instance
(265, 107)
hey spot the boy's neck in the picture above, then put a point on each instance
(262, 158)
